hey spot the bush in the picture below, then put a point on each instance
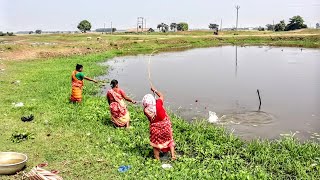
(38, 31)
(10, 34)
(182, 26)
(280, 26)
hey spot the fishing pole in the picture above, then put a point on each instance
(149, 70)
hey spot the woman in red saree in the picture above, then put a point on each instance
(119, 113)
(161, 136)
(77, 78)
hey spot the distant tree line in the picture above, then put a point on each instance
(296, 22)
(106, 30)
(173, 26)
(6, 34)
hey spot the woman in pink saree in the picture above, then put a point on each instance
(116, 98)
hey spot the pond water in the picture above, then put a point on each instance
(225, 80)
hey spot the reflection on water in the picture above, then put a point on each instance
(236, 60)
(225, 80)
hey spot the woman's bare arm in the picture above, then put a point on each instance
(127, 98)
(89, 79)
(160, 95)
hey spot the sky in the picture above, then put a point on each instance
(50, 15)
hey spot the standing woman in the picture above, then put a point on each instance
(119, 112)
(77, 78)
(161, 137)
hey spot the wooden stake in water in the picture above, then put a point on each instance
(259, 99)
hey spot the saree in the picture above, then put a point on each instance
(119, 113)
(161, 135)
(76, 93)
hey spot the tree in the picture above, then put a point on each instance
(213, 26)
(30, 32)
(260, 28)
(270, 27)
(182, 26)
(159, 26)
(84, 26)
(38, 31)
(173, 26)
(163, 27)
(280, 26)
(10, 33)
(318, 26)
(296, 22)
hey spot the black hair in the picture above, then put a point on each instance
(113, 83)
(78, 67)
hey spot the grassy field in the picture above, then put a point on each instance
(24, 47)
(80, 141)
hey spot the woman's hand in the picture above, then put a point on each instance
(153, 89)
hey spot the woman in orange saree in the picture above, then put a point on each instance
(77, 78)
(119, 113)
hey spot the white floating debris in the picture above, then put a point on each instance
(19, 104)
(254, 125)
(297, 131)
(213, 118)
(166, 166)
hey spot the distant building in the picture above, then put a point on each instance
(134, 30)
(106, 30)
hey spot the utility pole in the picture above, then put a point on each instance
(273, 26)
(145, 25)
(111, 27)
(237, 7)
(221, 25)
(104, 28)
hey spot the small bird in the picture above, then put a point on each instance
(213, 118)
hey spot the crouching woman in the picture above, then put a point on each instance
(161, 136)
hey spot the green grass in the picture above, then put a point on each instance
(80, 141)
